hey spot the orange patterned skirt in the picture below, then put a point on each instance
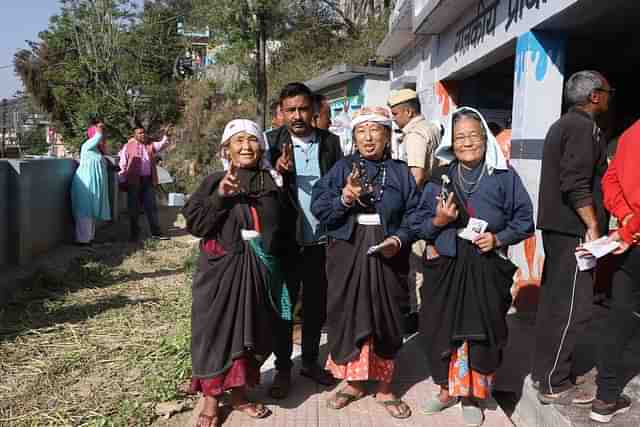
(369, 366)
(464, 381)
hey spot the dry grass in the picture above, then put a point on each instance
(100, 345)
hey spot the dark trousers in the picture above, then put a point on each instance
(564, 310)
(621, 325)
(145, 193)
(306, 269)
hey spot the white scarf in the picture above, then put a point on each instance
(494, 159)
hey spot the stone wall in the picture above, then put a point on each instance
(4, 214)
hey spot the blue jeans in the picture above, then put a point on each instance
(145, 193)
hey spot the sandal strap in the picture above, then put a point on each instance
(349, 396)
(404, 411)
(209, 419)
(394, 402)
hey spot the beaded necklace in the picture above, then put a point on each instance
(378, 180)
(469, 187)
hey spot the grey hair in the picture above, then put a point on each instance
(581, 85)
(464, 113)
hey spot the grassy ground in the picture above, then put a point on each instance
(103, 343)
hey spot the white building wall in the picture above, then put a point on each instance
(475, 36)
(376, 93)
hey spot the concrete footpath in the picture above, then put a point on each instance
(306, 405)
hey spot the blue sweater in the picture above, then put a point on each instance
(398, 202)
(500, 199)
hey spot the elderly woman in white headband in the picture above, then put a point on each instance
(363, 203)
(238, 288)
(470, 212)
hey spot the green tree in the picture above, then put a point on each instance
(105, 58)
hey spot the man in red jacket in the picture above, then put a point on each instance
(621, 188)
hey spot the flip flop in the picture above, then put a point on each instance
(261, 410)
(403, 409)
(342, 399)
(205, 420)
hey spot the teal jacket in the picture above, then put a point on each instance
(90, 186)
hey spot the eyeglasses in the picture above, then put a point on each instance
(610, 91)
(473, 137)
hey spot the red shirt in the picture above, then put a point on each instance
(621, 183)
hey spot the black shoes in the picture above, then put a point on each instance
(317, 374)
(604, 412)
(160, 236)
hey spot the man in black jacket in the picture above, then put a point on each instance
(570, 213)
(302, 154)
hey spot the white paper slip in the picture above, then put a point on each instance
(474, 229)
(373, 249)
(588, 254)
(600, 247)
(586, 261)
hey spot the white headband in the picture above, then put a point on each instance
(378, 115)
(243, 125)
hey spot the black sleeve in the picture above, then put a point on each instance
(337, 147)
(274, 146)
(206, 210)
(577, 164)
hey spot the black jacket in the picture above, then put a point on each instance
(329, 153)
(574, 161)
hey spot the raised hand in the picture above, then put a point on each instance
(446, 212)
(167, 129)
(284, 163)
(230, 184)
(353, 188)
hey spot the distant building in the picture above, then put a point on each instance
(17, 118)
(350, 88)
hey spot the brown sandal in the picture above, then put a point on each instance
(261, 411)
(403, 410)
(205, 420)
(341, 399)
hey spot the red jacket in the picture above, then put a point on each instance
(621, 183)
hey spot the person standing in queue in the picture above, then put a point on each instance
(302, 155)
(570, 213)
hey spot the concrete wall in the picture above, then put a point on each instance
(4, 214)
(40, 207)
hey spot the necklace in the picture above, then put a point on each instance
(378, 180)
(469, 187)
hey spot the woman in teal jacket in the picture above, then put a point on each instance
(90, 188)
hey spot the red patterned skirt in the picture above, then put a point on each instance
(369, 366)
(244, 372)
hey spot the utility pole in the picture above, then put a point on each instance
(4, 126)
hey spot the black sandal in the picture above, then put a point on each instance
(403, 409)
(347, 398)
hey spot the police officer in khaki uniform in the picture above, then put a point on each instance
(420, 139)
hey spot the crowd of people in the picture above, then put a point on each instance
(366, 241)
(137, 176)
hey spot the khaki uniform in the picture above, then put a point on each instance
(420, 139)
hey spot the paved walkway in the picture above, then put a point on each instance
(306, 405)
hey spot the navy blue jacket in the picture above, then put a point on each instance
(500, 199)
(398, 202)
